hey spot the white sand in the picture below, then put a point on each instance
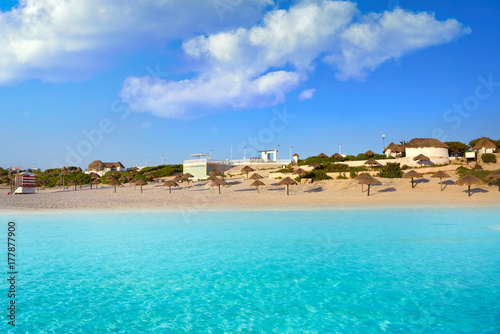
(199, 196)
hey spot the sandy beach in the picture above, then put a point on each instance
(240, 195)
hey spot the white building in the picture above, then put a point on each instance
(434, 149)
(484, 145)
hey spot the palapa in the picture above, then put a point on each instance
(469, 180)
(141, 183)
(299, 171)
(322, 155)
(170, 184)
(314, 164)
(218, 183)
(96, 182)
(73, 183)
(369, 153)
(115, 184)
(255, 176)
(336, 155)
(421, 157)
(257, 183)
(495, 176)
(371, 162)
(247, 169)
(360, 177)
(411, 175)
(288, 182)
(440, 175)
(369, 180)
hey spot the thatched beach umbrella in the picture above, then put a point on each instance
(94, 176)
(123, 179)
(336, 155)
(440, 175)
(411, 175)
(495, 176)
(218, 183)
(73, 183)
(371, 162)
(110, 178)
(469, 180)
(314, 165)
(187, 175)
(150, 177)
(96, 182)
(170, 184)
(215, 172)
(255, 176)
(322, 155)
(115, 183)
(141, 183)
(288, 182)
(369, 180)
(370, 153)
(117, 174)
(360, 177)
(420, 158)
(212, 178)
(257, 183)
(247, 169)
(299, 171)
(61, 182)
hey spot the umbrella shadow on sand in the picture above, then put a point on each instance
(476, 191)
(421, 181)
(448, 183)
(388, 190)
(245, 190)
(314, 190)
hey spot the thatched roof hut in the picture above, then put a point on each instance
(336, 155)
(425, 142)
(484, 144)
(322, 155)
(369, 153)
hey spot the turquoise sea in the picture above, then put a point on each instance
(333, 271)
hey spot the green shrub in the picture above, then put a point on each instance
(488, 157)
(391, 170)
(353, 174)
(316, 174)
(342, 176)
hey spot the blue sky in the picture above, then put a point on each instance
(148, 80)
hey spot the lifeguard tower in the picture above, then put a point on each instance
(24, 183)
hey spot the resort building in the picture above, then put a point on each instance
(484, 145)
(394, 150)
(200, 165)
(434, 149)
(101, 168)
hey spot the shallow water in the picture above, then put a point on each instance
(339, 271)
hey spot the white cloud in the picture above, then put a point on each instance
(306, 94)
(146, 125)
(65, 40)
(256, 67)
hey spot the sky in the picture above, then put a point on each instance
(141, 81)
